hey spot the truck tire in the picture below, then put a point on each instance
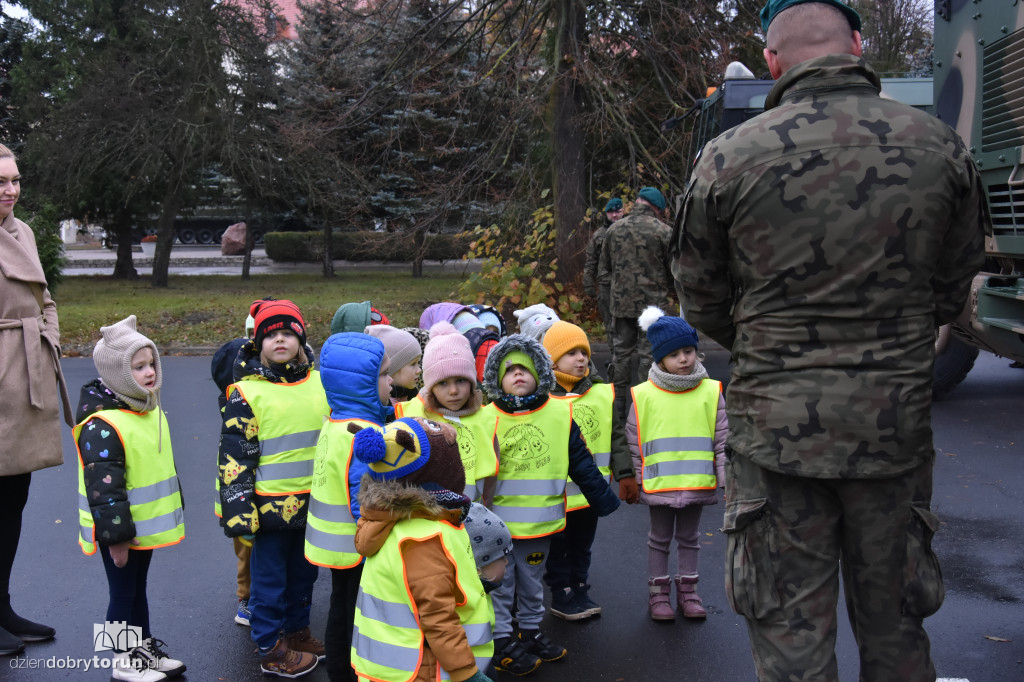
(953, 360)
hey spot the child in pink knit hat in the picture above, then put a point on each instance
(450, 395)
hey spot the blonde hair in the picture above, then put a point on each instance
(6, 153)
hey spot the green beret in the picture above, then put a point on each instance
(652, 196)
(614, 204)
(772, 9)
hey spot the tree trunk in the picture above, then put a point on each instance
(419, 240)
(567, 145)
(250, 225)
(165, 232)
(124, 267)
(328, 250)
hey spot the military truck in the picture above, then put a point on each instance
(978, 89)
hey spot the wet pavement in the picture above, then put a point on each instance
(978, 635)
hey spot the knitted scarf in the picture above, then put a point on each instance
(676, 382)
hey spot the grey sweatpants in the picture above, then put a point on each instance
(523, 580)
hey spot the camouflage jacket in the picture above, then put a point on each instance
(822, 242)
(635, 267)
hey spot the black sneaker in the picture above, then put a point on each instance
(584, 602)
(565, 605)
(538, 644)
(511, 657)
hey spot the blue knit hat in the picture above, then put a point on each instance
(653, 196)
(614, 204)
(666, 333)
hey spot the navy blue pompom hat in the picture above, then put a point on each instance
(667, 333)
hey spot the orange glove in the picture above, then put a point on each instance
(628, 490)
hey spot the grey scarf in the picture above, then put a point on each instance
(675, 382)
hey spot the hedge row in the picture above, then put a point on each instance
(362, 246)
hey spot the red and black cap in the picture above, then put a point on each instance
(273, 315)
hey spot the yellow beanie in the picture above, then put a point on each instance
(563, 337)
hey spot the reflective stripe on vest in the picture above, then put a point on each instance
(151, 481)
(592, 412)
(475, 436)
(675, 434)
(330, 525)
(289, 416)
(534, 462)
(387, 642)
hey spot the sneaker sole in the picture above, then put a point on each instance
(272, 673)
(242, 621)
(569, 616)
(498, 666)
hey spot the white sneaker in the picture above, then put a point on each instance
(157, 659)
(129, 665)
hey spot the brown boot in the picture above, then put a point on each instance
(284, 662)
(687, 599)
(660, 603)
(303, 640)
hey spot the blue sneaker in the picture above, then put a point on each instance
(243, 615)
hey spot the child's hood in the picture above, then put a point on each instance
(94, 397)
(382, 504)
(533, 348)
(248, 363)
(349, 367)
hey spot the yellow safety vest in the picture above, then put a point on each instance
(676, 436)
(387, 641)
(533, 465)
(592, 412)
(154, 495)
(475, 435)
(289, 418)
(330, 526)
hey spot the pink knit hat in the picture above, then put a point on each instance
(447, 355)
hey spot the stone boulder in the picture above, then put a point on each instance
(233, 241)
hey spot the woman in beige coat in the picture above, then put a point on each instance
(33, 387)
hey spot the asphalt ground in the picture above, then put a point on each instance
(978, 635)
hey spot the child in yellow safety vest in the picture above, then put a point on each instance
(450, 395)
(354, 368)
(676, 432)
(422, 612)
(568, 564)
(129, 497)
(539, 446)
(271, 423)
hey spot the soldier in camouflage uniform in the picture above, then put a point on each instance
(822, 242)
(612, 212)
(634, 272)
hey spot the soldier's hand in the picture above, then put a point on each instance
(628, 490)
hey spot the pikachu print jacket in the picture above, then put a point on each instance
(244, 511)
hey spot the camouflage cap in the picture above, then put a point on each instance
(774, 7)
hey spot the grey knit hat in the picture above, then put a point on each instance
(401, 346)
(113, 359)
(488, 535)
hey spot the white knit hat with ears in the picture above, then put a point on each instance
(535, 320)
(113, 359)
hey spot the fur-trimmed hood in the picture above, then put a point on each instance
(385, 503)
(528, 345)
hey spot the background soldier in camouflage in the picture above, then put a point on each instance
(612, 212)
(822, 242)
(634, 271)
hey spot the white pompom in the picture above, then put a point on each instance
(649, 316)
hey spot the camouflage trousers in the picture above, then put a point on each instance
(789, 541)
(631, 359)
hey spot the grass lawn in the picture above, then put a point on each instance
(209, 310)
